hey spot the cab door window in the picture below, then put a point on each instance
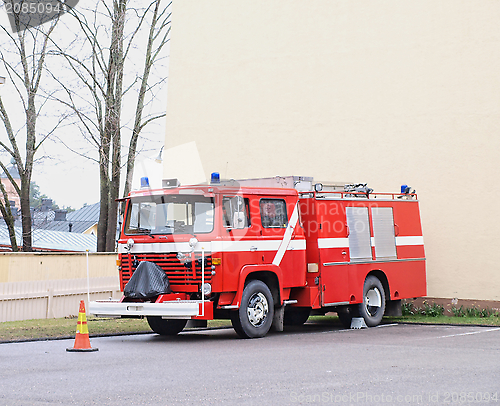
(273, 213)
(235, 212)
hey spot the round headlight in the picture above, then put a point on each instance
(192, 242)
(130, 243)
(207, 289)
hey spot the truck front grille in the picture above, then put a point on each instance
(182, 277)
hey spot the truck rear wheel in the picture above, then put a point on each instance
(373, 307)
(254, 317)
(166, 327)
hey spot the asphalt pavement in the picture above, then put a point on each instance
(312, 364)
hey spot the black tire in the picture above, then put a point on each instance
(296, 316)
(373, 307)
(255, 316)
(166, 327)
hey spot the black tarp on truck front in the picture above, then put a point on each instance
(148, 281)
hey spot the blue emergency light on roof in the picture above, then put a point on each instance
(144, 182)
(405, 189)
(215, 178)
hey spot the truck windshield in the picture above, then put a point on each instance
(171, 214)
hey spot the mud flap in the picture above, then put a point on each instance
(196, 323)
(279, 315)
(393, 308)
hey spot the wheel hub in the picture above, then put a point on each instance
(257, 309)
(373, 301)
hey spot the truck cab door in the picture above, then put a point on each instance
(239, 235)
(281, 228)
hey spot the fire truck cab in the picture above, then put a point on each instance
(265, 253)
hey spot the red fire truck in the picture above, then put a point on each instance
(266, 252)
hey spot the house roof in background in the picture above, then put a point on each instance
(76, 226)
(87, 213)
(81, 220)
(53, 240)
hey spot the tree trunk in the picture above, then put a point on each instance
(112, 216)
(102, 226)
(26, 214)
(114, 191)
(31, 117)
(5, 209)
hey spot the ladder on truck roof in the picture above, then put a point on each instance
(300, 183)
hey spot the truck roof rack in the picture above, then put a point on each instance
(287, 182)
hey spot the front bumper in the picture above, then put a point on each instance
(178, 309)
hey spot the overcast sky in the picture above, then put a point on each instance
(67, 178)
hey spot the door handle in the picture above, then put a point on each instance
(253, 248)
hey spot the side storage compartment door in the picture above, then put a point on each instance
(359, 233)
(383, 232)
(333, 247)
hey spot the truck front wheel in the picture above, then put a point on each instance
(373, 307)
(166, 327)
(254, 317)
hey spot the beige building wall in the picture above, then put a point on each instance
(28, 267)
(385, 92)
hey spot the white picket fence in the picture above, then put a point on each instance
(47, 285)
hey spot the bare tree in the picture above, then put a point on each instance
(23, 56)
(101, 75)
(158, 34)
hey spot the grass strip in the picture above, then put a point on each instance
(422, 319)
(37, 329)
(447, 320)
(42, 329)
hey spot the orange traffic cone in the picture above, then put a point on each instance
(82, 341)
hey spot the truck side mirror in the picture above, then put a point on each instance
(238, 220)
